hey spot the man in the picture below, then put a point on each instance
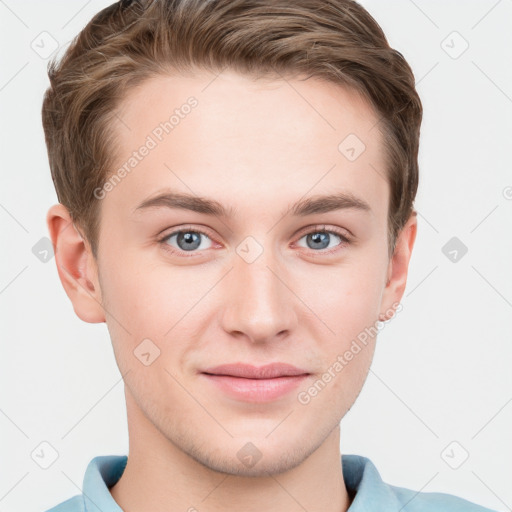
(236, 183)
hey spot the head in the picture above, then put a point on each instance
(236, 183)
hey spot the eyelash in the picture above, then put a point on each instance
(316, 229)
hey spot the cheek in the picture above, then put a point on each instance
(347, 297)
(146, 294)
(148, 300)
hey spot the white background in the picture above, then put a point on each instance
(442, 369)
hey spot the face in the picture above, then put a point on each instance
(252, 233)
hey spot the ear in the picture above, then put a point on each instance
(76, 265)
(398, 268)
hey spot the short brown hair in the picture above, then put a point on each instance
(129, 42)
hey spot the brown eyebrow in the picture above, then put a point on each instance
(186, 202)
(308, 206)
(324, 204)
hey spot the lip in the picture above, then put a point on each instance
(248, 371)
(255, 383)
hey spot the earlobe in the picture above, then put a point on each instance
(398, 268)
(76, 265)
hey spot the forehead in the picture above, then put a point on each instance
(255, 143)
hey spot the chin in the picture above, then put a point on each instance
(267, 465)
(256, 458)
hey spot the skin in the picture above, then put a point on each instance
(256, 147)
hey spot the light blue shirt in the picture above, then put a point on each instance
(361, 479)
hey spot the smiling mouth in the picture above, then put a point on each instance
(255, 384)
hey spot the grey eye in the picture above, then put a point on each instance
(320, 240)
(187, 240)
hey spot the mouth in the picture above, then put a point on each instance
(255, 383)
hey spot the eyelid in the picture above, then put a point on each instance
(197, 228)
(344, 234)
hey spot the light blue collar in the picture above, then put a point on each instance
(361, 479)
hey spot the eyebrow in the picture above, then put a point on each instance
(309, 206)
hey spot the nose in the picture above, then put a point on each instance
(259, 306)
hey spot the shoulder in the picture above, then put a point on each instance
(414, 501)
(74, 504)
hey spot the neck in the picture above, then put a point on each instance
(160, 477)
